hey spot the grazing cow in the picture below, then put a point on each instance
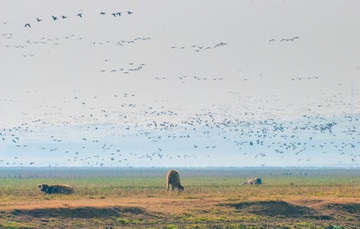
(56, 189)
(173, 179)
(252, 181)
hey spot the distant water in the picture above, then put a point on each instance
(195, 142)
(72, 172)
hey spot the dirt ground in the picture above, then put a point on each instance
(177, 212)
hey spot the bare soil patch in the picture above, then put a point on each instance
(80, 212)
(274, 208)
(352, 208)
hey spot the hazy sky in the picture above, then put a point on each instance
(238, 60)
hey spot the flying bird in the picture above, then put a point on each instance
(102, 13)
(129, 12)
(80, 15)
(54, 18)
(38, 19)
(28, 25)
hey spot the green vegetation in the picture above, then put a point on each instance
(12, 224)
(198, 187)
(321, 199)
(127, 221)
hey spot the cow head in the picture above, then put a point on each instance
(43, 187)
(258, 181)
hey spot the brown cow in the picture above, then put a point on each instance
(173, 179)
(56, 189)
(252, 181)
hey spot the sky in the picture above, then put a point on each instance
(179, 83)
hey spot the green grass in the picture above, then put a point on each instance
(197, 187)
(127, 221)
(12, 224)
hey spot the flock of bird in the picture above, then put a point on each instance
(43, 41)
(285, 39)
(122, 42)
(129, 134)
(124, 70)
(79, 15)
(170, 136)
(198, 48)
(184, 78)
(304, 78)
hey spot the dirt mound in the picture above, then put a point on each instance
(352, 208)
(274, 208)
(80, 212)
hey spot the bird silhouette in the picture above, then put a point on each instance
(80, 15)
(54, 18)
(38, 19)
(28, 25)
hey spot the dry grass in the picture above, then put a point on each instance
(207, 202)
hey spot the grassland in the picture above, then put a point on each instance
(136, 198)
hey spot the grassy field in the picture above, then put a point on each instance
(213, 198)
